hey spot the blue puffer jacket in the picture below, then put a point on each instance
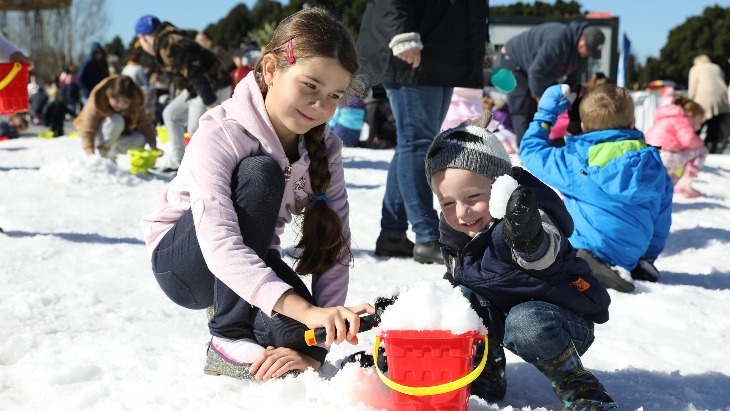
(486, 265)
(615, 188)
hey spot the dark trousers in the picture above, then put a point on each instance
(718, 130)
(522, 105)
(257, 189)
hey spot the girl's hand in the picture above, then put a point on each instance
(334, 320)
(275, 362)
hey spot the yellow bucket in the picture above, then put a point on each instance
(162, 134)
(141, 159)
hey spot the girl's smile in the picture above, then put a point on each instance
(303, 95)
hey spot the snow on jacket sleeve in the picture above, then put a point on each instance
(547, 163)
(330, 288)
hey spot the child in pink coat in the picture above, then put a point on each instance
(675, 132)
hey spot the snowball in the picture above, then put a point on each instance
(501, 191)
(431, 305)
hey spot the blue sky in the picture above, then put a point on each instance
(646, 22)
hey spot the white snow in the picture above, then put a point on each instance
(84, 325)
(431, 305)
(502, 189)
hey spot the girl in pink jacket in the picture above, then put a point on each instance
(675, 132)
(259, 158)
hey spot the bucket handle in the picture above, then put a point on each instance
(11, 75)
(434, 389)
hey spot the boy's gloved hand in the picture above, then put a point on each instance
(522, 229)
(554, 102)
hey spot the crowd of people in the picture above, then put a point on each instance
(589, 209)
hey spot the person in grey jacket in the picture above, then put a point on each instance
(540, 57)
(418, 50)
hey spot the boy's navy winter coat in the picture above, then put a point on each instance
(485, 264)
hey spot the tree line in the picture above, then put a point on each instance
(65, 38)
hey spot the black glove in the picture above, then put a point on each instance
(574, 127)
(522, 229)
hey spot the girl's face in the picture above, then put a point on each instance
(305, 94)
(464, 197)
(119, 104)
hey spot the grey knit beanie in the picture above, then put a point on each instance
(469, 146)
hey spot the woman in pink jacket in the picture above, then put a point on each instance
(682, 151)
(259, 158)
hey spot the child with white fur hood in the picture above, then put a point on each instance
(504, 237)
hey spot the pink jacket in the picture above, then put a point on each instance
(237, 129)
(672, 130)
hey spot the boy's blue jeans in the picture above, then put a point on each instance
(533, 330)
(418, 112)
(257, 189)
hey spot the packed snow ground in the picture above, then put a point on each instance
(85, 326)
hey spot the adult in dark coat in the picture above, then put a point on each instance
(419, 50)
(93, 70)
(540, 57)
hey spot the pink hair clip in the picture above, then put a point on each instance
(290, 51)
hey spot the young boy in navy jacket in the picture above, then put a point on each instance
(520, 273)
(615, 186)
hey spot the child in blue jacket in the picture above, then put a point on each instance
(515, 265)
(614, 185)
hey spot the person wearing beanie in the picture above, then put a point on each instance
(503, 234)
(200, 78)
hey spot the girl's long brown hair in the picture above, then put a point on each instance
(315, 33)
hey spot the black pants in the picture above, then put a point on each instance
(257, 189)
(522, 105)
(718, 130)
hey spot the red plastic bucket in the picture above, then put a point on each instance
(13, 88)
(430, 370)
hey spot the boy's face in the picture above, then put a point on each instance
(464, 197)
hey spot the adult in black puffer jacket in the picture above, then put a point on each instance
(419, 50)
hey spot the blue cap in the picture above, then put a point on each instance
(146, 25)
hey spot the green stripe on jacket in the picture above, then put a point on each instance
(600, 154)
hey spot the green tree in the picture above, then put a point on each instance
(539, 9)
(116, 47)
(707, 34)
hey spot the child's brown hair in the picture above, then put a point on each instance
(122, 86)
(607, 107)
(691, 107)
(19, 122)
(314, 33)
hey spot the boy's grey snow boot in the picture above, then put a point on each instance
(576, 387)
(491, 384)
(603, 273)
